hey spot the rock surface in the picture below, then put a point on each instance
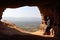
(11, 31)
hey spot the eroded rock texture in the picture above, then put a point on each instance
(47, 8)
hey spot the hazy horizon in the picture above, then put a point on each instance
(27, 18)
(28, 24)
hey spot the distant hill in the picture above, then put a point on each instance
(26, 19)
(28, 24)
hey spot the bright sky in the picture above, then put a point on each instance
(25, 11)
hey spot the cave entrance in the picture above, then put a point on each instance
(27, 18)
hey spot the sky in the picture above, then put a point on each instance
(25, 11)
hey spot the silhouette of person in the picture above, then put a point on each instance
(49, 22)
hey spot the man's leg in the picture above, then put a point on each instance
(47, 32)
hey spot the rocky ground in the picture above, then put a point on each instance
(11, 31)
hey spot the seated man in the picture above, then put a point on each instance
(49, 23)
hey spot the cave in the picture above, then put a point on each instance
(47, 8)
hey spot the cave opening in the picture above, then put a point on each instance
(26, 17)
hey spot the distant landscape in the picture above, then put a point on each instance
(28, 24)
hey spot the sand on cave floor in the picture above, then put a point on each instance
(39, 33)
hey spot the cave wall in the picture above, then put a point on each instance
(46, 7)
(52, 8)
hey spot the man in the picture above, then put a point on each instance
(49, 23)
